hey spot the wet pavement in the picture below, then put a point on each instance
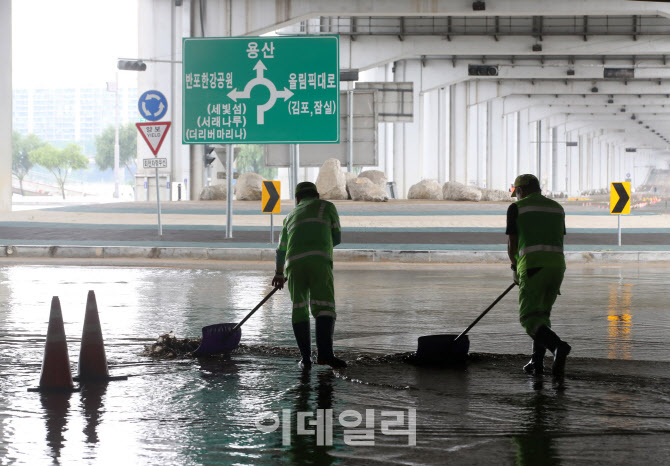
(612, 408)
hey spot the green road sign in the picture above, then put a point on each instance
(244, 90)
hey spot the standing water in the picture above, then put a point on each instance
(257, 407)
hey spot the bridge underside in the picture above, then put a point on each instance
(575, 92)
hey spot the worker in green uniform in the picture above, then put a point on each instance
(310, 232)
(535, 229)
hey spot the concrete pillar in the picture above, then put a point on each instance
(472, 161)
(543, 146)
(526, 163)
(606, 164)
(511, 147)
(420, 157)
(442, 135)
(581, 141)
(585, 144)
(572, 165)
(610, 164)
(162, 26)
(389, 152)
(6, 106)
(560, 162)
(622, 163)
(592, 171)
(601, 166)
(481, 143)
(388, 134)
(429, 162)
(458, 129)
(496, 157)
(595, 164)
(554, 159)
(570, 162)
(618, 164)
(407, 144)
(535, 137)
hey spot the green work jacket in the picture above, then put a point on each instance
(312, 229)
(540, 229)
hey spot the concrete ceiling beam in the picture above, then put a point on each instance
(263, 16)
(485, 90)
(372, 51)
(542, 112)
(517, 103)
(439, 73)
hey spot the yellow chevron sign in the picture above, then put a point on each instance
(620, 198)
(270, 202)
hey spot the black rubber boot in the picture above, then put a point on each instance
(303, 338)
(536, 364)
(325, 325)
(558, 347)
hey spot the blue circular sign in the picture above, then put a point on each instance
(152, 105)
(627, 175)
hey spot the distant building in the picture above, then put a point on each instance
(63, 116)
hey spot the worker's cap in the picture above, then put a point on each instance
(305, 186)
(525, 180)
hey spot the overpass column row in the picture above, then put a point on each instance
(479, 145)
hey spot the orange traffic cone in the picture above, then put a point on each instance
(92, 358)
(56, 373)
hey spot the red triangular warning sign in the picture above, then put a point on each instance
(154, 133)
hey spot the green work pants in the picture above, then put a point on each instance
(311, 284)
(537, 294)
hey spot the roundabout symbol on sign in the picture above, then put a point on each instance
(152, 105)
(261, 80)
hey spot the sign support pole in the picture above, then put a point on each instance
(291, 162)
(272, 229)
(158, 200)
(619, 217)
(297, 165)
(229, 197)
(350, 131)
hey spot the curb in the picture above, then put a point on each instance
(340, 255)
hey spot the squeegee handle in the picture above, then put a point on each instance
(234, 329)
(485, 311)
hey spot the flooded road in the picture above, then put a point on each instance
(614, 408)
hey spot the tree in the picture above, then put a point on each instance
(104, 147)
(21, 148)
(60, 162)
(251, 160)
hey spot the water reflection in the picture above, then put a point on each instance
(56, 407)
(536, 446)
(620, 320)
(92, 396)
(313, 448)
